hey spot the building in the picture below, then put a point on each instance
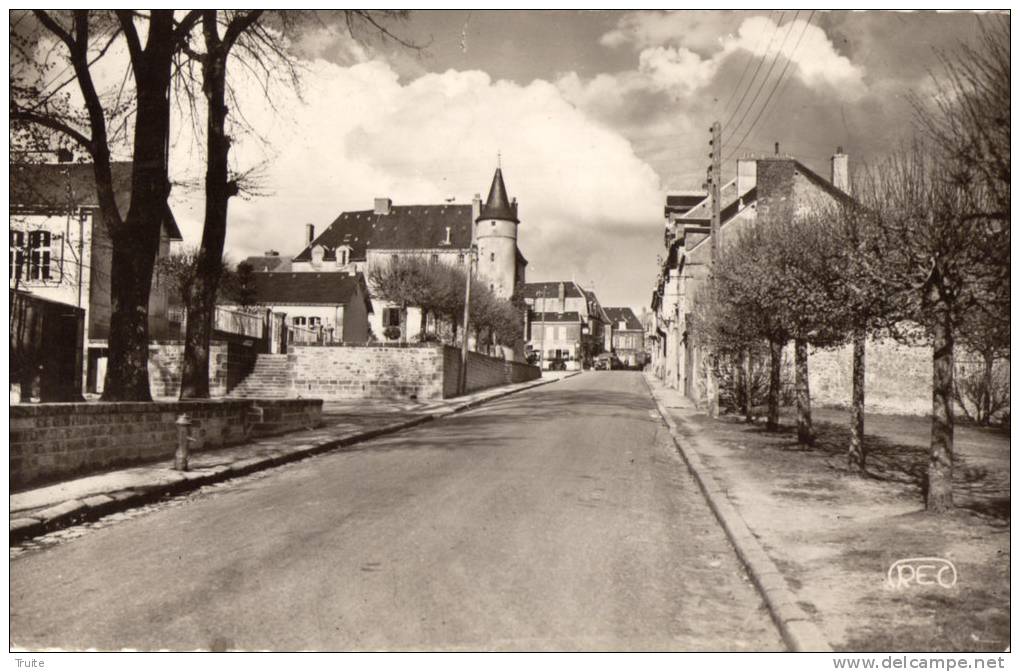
(769, 188)
(319, 307)
(628, 336)
(60, 249)
(359, 240)
(564, 322)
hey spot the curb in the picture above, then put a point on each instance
(77, 511)
(797, 629)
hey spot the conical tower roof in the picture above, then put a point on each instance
(497, 205)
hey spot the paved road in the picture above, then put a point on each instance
(559, 518)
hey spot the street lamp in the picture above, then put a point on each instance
(462, 383)
(541, 332)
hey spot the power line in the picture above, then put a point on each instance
(764, 81)
(747, 66)
(761, 62)
(779, 81)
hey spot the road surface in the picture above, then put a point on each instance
(555, 519)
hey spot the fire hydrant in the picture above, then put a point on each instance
(183, 437)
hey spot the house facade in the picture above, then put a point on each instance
(358, 241)
(628, 336)
(60, 250)
(564, 322)
(318, 308)
(765, 189)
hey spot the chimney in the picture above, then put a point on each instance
(841, 171)
(777, 149)
(382, 206)
(513, 205)
(562, 295)
(747, 175)
(309, 234)
(272, 253)
(476, 207)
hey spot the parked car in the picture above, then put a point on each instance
(557, 364)
(606, 361)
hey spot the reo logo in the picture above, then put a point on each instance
(910, 572)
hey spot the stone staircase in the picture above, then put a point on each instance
(270, 379)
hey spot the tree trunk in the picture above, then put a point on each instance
(856, 455)
(939, 496)
(218, 191)
(805, 432)
(748, 374)
(775, 364)
(985, 416)
(136, 239)
(711, 383)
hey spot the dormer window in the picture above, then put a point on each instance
(343, 255)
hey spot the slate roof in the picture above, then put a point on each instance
(308, 288)
(498, 205)
(59, 185)
(552, 290)
(569, 316)
(617, 315)
(680, 204)
(406, 227)
(268, 262)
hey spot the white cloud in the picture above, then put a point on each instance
(682, 52)
(814, 56)
(676, 69)
(361, 133)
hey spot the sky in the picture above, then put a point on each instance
(595, 116)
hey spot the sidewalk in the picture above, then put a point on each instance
(33, 512)
(832, 535)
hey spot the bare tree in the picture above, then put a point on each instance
(931, 249)
(257, 38)
(84, 37)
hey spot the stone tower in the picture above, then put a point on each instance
(496, 237)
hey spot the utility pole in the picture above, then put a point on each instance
(714, 186)
(462, 383)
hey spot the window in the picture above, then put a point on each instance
(299, 321)
(460, 258)
(492, 256)
(434, 259)
(39, 255)
(391, 317)
(550, 333)
(343, 255)
(16, 254)
(314, 322)
(393, 257)
(563, 333)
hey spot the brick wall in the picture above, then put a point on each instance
(53, 441)
(377, 372)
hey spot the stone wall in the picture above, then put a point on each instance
(229, 363)
(379, 372)
(58, 441)
(366, 372)
(483, 372)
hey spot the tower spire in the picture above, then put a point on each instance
(498, 205)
